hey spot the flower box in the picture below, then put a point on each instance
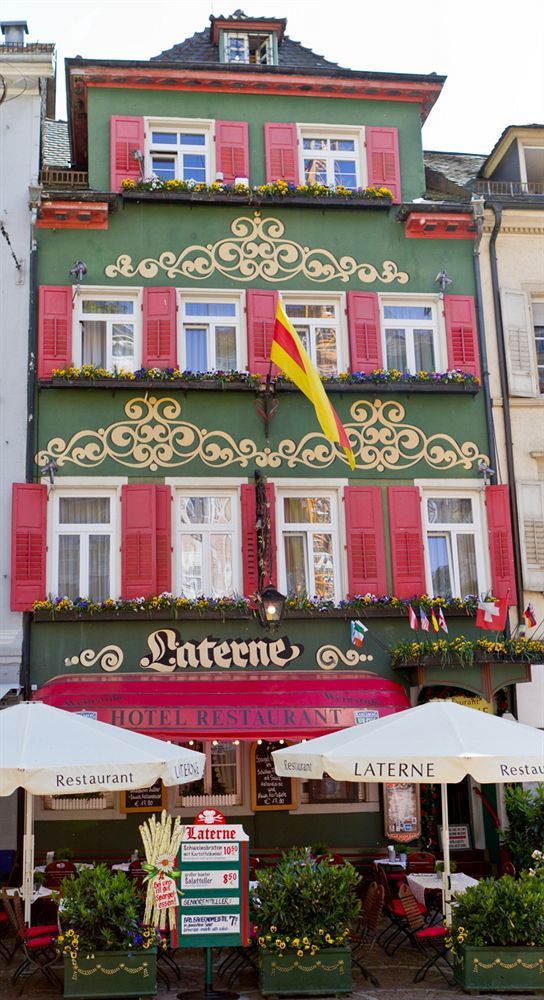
(111, 974)
(504, 969)
(328, 972)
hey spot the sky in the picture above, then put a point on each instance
(492, 53)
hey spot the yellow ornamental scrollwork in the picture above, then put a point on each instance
(153, 436)
(257, 249)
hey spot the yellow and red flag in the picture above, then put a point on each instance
(288, 353)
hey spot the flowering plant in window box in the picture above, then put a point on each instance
(463, 652)
(275, 189)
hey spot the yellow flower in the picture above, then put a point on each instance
(300, 953)
(273, 929)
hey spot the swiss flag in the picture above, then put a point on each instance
(491, 614)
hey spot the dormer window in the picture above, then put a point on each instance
(532, 165)
(254, 48)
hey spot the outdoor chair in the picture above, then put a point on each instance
(509, 868)
(166, 961)
(57, 871)
(37, 944)
(238, 959)
(394, 932)
(421, 935)
(366, 929)
(4, 926)
(137, 874)
(421, 862)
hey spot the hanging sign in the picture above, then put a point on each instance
(165, 892)
(214, 861)
(402, 811)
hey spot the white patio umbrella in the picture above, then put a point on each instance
(48, 751)
(436, 743)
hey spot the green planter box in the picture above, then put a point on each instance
(509, 970)
(328, 972)
(112, 974)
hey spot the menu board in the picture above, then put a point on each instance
(152, 799)
(402, 813)
(268, 789)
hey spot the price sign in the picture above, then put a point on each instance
(214, 863)
(268, 789)
(152, 799)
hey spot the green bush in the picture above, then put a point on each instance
(304, 904)
(504, 912)
(103, 908)
(525, 811)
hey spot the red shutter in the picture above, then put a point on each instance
(164, 540)
(365, 542)
(28, 544)
(138, 542)
(501, 549)
(231, 150)
(249, 537)
(126, 136)
(364, 331)
(159, 328)
(281, 152)
(382, 159)
(261, 316)
(406, 539)
(54, 328)
(461, 333)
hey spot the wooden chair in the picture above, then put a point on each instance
(421, 862)
(394, 933)
(36, 943)
(57, 871)
(509, 868)
(137, 874)
(366, 929)
(420, 935)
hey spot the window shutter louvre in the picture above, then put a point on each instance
(281, 152)
(28, 544)
(159, 328)
(164, 540)
(364, 331)
(519, 343)
(261, 316)
(531, 504)
(249, 537)
(54, 328)
(365, 541)
(138, 540)
(461, 333)
(501, 549)
(382, 158)
(406, 538)
(232, 150)
(126, 136)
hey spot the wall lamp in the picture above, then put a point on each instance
(78, 270)
(443, 280)
(271, 604)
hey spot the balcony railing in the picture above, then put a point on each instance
(509, 189)
(58, 179)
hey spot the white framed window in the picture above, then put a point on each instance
(332, 155)
(179, 149)
(413, 340)
(538, 327)
(309, 544)
(207, 531)
(84, 543)
(532, 168)
(107, 329)
(453, 527)
(211, 332)
(531, 512)
(221, 784)
(250, 47)
(318, 320)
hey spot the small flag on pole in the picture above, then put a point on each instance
(434, 621)
(442, 620)
(289, 354)
(358, 631)
(491, 614)
(424, 620)
(412, 617)
(529, 615)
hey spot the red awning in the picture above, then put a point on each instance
(289, 706)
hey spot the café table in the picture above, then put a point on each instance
(42, 893)
(393, 865)
(432, 882)
(80, 865)
(124, 867)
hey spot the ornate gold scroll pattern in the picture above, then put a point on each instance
(109, 658)
(328, 657)
(154, 437)
(257, 249)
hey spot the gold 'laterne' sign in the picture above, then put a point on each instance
(256, 249)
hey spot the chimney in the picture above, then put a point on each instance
(14, 33)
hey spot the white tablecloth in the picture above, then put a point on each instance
(419, 883)
(42, 893)
(390, 864)
(125, 867)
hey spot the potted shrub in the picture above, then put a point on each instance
(107, 952)
(303, 911)
(525, 811)
(497, 934)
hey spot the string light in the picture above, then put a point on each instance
(236, 743)
(259, 742)
(215, 743)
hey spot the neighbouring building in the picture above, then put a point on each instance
(27, 94)
(174, 480)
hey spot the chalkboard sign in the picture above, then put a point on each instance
(268, 789)
(136, 800)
